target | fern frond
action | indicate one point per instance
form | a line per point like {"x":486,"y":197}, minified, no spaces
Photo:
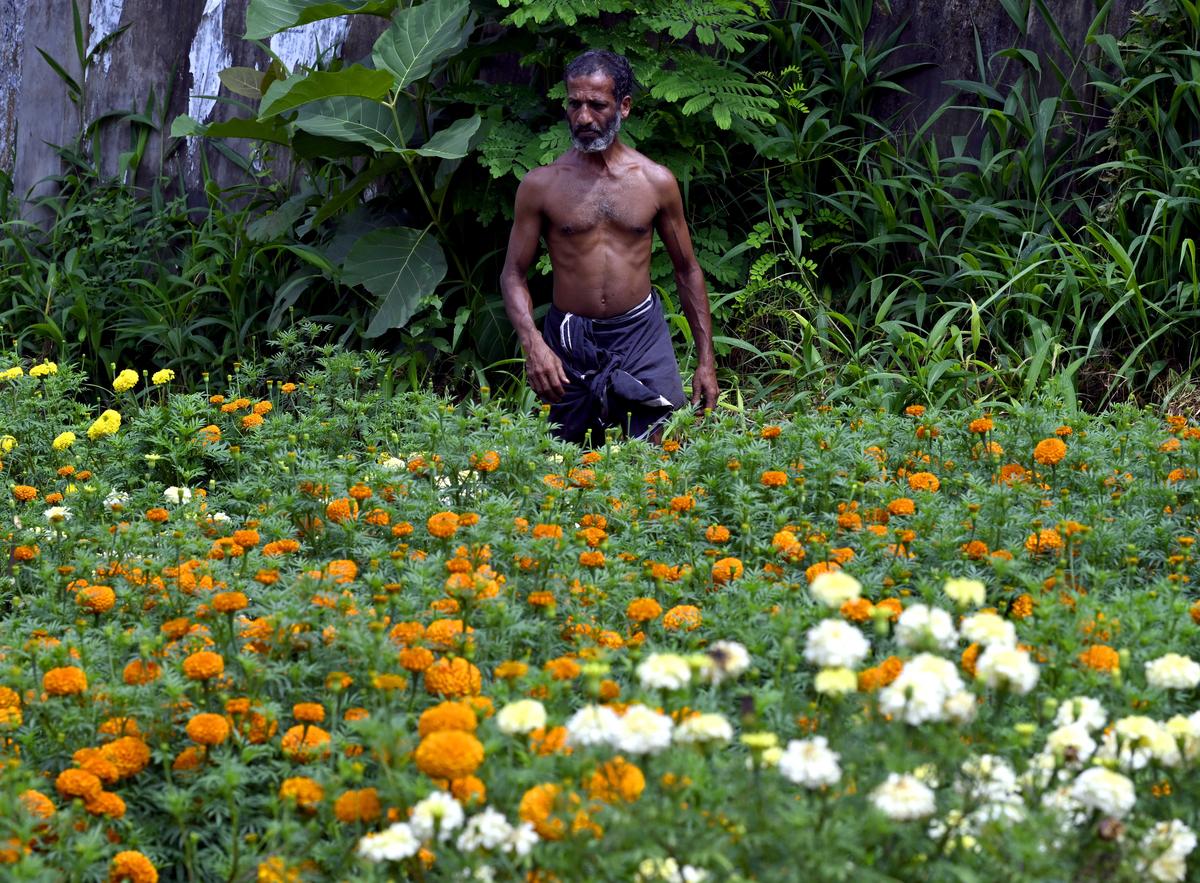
{"x":712,"y":20}
{"x":566,"y":11}
{"x":705,"y":84}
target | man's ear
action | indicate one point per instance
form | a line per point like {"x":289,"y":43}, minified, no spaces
{"x":626,"y":104}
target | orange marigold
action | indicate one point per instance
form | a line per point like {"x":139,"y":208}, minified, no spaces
{"x":415,"y":659}
{"x":1046,"y":540}
{"x":341,"y":509}
{"x":24,"y":492}
{"x":537,"y":807}
{"x":447,"y":715}
{"x":309,"y":712}
{"x":773,"y":478}
{"x":616,"y":781}
{"x":449,"y":754}
{"x":64,"y":681}
{"x":304,"y":742}
{"x":304,"y":791}
{"x":511,"y":669}
{"x":203,"y":665}
{"x":452,"y":677}
{"x":37,"y":804}
{"x":563,"y":668}
{"x":78,"y":783}
{"x":442,"y":525}
{"x":358,"y":806}
{"x":96,"y":599}
{"x":230,"y":602}
{"x":133,"y":867}
{"x":1101,"y":657}
{"x":1050,"y":451}
{"x":683,"y":616}
{"x":924,"y":481}
{"x":901,"y":506}
{"x":208,"y":729}
{"x":643,"y":610}
{"x":727,"y":570}
{"x":716,"y":533}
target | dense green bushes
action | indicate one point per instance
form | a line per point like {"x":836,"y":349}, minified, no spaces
{"x":841,"y":251}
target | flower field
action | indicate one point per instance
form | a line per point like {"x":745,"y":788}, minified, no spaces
{"x":293,"y":629}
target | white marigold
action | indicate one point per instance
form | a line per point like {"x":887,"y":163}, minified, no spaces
{"x":1102,"y":789}
{"x":921,"y":626}
{"x":1009,"y":668}
{"x":904,"y":798}
{"x":834,"y":588}
{"x":834,"y":643}
{"x":989,"y":630}
{"x":1173,"y":672}
{"x":521,"y":717}
{"x":392,"y":844}
{"x":664,"y":671}
{"x":810,"y":763}
{"x":642,"y":730}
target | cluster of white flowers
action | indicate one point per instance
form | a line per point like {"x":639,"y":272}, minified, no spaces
{"x":521,"y":717}
{"x":1008,"y":668}
{"x":989,"y":630}
{"x":703,"y":728}
{"x":922,"y":627}
{"x":1166,"y":847}
{"x":664,"y":671}
{"x":177,"y":496}
{"x":928,"y":689}
{"x":903,"y":797}
{"x":57,"y":514}
{"x":437,"y":817}
{"x":640,"y":730}
{"x":1083,"y":710}
{"x":1134,"y":741}
{"x":669,"y":871}
{"x":1173,"y":672}
{"x":833,"y":643}
{"x":1103,"y":789}
{"x":834,"y":588}
{"x":810,"y":763}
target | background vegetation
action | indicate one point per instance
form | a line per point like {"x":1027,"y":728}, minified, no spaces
{"x":1050,"y":246}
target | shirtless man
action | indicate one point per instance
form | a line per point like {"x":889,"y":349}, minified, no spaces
{"x":604,"y":357}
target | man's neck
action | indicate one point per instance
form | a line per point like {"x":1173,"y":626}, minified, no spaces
{"x":603,"y":160}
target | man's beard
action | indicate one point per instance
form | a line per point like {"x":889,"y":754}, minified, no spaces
{"x":602,"y":141}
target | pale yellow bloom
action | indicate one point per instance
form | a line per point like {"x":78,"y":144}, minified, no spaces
{"x":7,"y":443}
{"x":164,"y":375}
{"x":63,"y":440}
{"x":12,"y":373}
{"x":126,"y":380}
{"x":106,"y":424}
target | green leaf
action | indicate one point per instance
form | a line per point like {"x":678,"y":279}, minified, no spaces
{"x":239,"y":127}
{"x":267,"y":17}
{"x":244,"y":81}
{"x":277,"y":223}
{"x":357,"y":119}
{"x":453,"y":142}
{"x":420,"y":36}
{"x":299,"y":89}
{"x":400,"y":266}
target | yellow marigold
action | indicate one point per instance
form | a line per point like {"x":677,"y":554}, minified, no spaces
{"x":203,"y":665}
{"x":616,"y":781}
{"x":305,"y":742}
{"x":449,"y":754}
{"x":727,"y":570}
{"x":133,"y":867}
{"x":161,"y":376}
{"x":442,"y":525}
{"x":643,"y":610}
{"x":96,"y":599}
{"x":64,"y":681}
{"x":1101,"y":657}
{"x":682,"y":616}
{"x":358,"y":806}
{"x":306,"y":793}
{"x":452,"y":677}
{"x":106,"y":424}
{"x":538,"y":806}
{"x":309,"y":712}
{"x":63,"y":440}
{"x":43,"y":369}
{"x":773,"y":478}
{"x":208,"y":729}
{"x":1050,"y":451}
{"x":78,"y":783}
{"x":126,"y":380}
{"x":37,"y":804}
{"x":447,"y":715}
{"x":924,"y":481}
{"x":1046,"y":540}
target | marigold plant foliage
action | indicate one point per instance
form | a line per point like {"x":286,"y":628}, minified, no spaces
{"x":405,"y":638}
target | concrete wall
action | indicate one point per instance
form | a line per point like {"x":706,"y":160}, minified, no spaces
{"x":175,"y":48}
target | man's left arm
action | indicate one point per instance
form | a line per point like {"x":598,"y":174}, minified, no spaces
{"x":689,"y":281}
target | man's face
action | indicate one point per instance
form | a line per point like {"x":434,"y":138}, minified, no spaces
{"x":592,"y":113}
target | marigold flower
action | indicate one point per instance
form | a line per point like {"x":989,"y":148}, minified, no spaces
{"x":126,"y":380}
{"x":37,"y":804}
{"x":512,"y":669}
{"x":358,"y":806}
{"x":208,"y":729}
{"x":924,"y":481}
{"x":128,"y":754}
{"x":43,"y":369}
{"x":716,"y":533}
{"x":1046,"y":540}
{"x":106,"y":804}
{"x":133,"y":867}
{"x":683,"y":616}
{"x":415,"y":659}
{"x":161,"y":376}
{"x":449,"y":754}
{"x":309,"y":712}
{"x":452,"y":677}
{"x":563,"y":668}
{"x":62,"y":441}
{"x":78,"y":783}
{"x":537,"y":807}
{"x":341,"y":509}
{"x":157,"y":514}
{"x":447,"y":715}
{"x":770,"y":431}
{"x":230,"y":602}
{"x":1101,"y":657}
{"x":901,"y":506}
{"x":306,"y":793}
{"x":726,"y":570}
{"x":304,"y":742}
{"x":1049,"y":451}
{"x":64,"y":681}
{"x":773,"y":478}
{"x":1021,"y":607}
{"x":23,"y":493}
{"x":203,"y":665}
{"x":980,"y":425}
{"x":616,"y":781}
{"x":643,"y":610}
{"x":591,"y":558}
{"x":857,"y":609}
{"x":488,"y":461}
{"x":442,"y":525}
{"x":683,"y":503}
{"x":976,"y":550}
{"x":915,"y":410}
{"x":106,"y":424}
{"x":96,"y":599}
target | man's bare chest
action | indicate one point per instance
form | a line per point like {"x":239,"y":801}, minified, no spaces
{"x":575,"y":208}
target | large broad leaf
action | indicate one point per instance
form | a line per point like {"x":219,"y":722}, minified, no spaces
{"x":267,"y":17}
{"x":277,"y":223}
{"x":299,"y":89}
{"x":420,"y":36}
{"x":358,"y":119}
{"x":453,"y":142}
{"x":244,"y":81}
{"x":400,"y":266}
{"x":185,"y":126}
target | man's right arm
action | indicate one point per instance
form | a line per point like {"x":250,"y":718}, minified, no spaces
{"x":542,"y":366}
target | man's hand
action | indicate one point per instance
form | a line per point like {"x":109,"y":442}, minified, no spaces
{"x":704,"y":387}
{"x":546,"y":374}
